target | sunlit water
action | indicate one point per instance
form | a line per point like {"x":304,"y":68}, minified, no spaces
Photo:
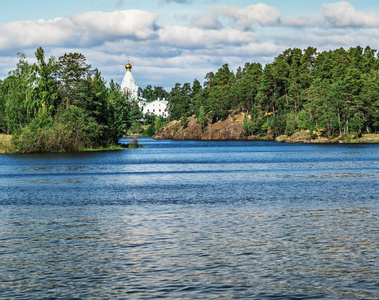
{"x":192,"y":220}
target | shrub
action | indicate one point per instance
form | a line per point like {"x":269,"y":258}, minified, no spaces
{"x":71,"y":130}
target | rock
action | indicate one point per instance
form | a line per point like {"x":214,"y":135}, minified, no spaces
{"x":253,"y":137}
{"x":231,"y":129}
{"x":301,"y":136}
{"x":282,"y":138}
{"x":228,"y":129}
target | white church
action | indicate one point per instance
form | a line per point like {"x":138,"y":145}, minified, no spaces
{"x":129,"y":86}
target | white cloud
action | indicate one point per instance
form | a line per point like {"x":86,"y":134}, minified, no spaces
{"x":207,"y":21}
{"x":260,"y":13}
{"x":343,"y":14}
{"x":296,"y":22}
{"x":7,"y":64}
{"x":83,"y":30}
{"x":186,"y":37}
{"x":163,"y":54}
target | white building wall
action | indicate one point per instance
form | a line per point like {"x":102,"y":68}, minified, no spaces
{"x":129,"y":85}
{"x":157,"y":108}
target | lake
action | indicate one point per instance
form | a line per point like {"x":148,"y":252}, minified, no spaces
{"x":192,"y":220}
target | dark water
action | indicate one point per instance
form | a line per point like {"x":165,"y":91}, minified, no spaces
{"x":192,"y":220}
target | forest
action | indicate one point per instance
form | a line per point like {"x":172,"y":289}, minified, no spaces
{"x":335,"y":91}
{"x":62,"y":105}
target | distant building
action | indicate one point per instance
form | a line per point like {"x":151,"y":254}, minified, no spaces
{"x":157,"y":108}
{"x":129,"y":86}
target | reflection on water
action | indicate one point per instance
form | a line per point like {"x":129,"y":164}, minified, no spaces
{"x":191,"y":220}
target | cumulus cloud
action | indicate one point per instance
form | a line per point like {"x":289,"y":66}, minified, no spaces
{"x":83,"y":30}
{"x":297,"y":22}
{"x":187,"y":37}
{"x":343,"y":14}
{"x":260,"y":13}
{"x":163,"y":54}
{"x":207,"y":21}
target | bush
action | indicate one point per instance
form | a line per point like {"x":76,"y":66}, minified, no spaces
{"x":133,"y":144}
{"x":71,"y":130}
{"x":150,"y":131}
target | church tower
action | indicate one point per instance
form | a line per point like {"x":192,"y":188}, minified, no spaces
{"x":128,"y":84}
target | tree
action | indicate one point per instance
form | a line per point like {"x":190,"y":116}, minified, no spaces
{"x":202,"y":118}
{"x":3,"y":119}
{"x":45,"y":92}
{"x":73,"y":73}
{"x":119,"y":111}
{"x":219,"y":88}
{"x":17,"y":91}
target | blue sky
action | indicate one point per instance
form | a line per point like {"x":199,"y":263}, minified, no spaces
{"x":171,"y":41}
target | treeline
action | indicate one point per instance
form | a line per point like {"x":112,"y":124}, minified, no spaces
{"x":62,"y":104}
{"x":153,"y":93}
{"x":335,"y":91}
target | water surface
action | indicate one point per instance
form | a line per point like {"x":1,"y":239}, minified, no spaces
{"x":191,"y":220}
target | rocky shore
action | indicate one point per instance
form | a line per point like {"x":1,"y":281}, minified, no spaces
{"x":228,"y":129}
{"x":231,"y":129}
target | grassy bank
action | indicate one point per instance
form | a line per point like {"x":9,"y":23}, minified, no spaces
{"x":6,"y":143}
{"x":109,"y":148}
{"x":364,"y":139}
{"x":6,"y":146}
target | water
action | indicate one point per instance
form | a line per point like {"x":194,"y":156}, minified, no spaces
{"x":191,"y":220}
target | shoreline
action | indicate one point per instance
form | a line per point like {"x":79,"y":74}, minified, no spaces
{"x":231,"y":129}
{"x":311,"y":141}
{"x":6,"y":147}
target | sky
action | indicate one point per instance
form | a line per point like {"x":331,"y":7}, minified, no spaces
{"x":176,"y":41}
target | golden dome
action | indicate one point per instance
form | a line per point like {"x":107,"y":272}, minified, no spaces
{"x":128,"y":66}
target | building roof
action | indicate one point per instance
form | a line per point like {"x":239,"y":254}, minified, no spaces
{"x":128,"y":84}
{"x":158,"y":101}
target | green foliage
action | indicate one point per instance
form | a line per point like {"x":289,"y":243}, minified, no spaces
{"x":3,"y":118}
{"x":151,"y":94}
{"x":335,"y":91}
{"x":73,"y":72}
{"x":291,"y":123}
{"x":184,"y":121}
{"x":77,"y":110}
{"x":159,"y":123}
{"x":70,"y":130}
{"x":156,"y":124}
{"x":247,"y":125}
{"x":133,"y":144}
{"x":150,"y":130}
{"x":135,"y":129}
{"x":202,"y":118}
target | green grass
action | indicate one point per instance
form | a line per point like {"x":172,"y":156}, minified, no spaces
{"x":6,"y":145}
{"x":108,"y":148}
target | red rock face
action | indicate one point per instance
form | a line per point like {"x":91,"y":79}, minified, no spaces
{"x":228,"y":129}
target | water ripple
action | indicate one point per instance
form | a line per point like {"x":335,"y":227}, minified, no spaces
{"x":192,"y":220}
